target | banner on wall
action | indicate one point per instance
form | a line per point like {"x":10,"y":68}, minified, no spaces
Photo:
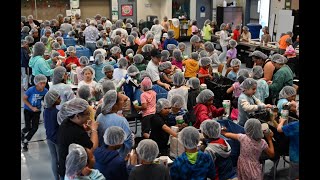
{"x":72,"y":12}
{"x":115,"y":15}
{"x":126,"y":10}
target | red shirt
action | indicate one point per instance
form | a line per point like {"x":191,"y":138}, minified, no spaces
{"x":204,"y":72}
{"x":74,"y":60}
{"x":236,"y":34}
{"x":61,"y":52}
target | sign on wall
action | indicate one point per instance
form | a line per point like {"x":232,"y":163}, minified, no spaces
{"x":126,"y":10}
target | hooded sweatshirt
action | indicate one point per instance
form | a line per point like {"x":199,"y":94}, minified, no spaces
{"x":203,"y":112}
{"x":110,"y":164}
{"x":40,"y":66}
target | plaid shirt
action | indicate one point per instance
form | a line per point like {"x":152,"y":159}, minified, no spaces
{"x":202,"y":169}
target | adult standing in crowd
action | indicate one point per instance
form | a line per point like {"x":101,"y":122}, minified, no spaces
{"x":260,"y":59}
{"x":91,"y":34}
{"x":282,"y":42}
{"x":165,"y":24}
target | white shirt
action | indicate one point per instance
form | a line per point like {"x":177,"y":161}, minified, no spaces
{"x":157,"y":29}
{"x":183,"y":91}
{"x":107,"y":24}
{"x":66,"y":27}
{"x":62,"y":89}
{"x":224,"y":40}
{"x":92,"y":84}
{"x":153,"y":71}
{"x":123,"y":33}
{"x":119,"y":73}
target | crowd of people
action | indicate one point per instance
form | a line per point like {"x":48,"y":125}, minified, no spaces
{"x":150,"y":74}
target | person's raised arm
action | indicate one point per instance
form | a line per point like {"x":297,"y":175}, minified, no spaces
{"x":270,"y":149}
{"x":169,"y":130}
{"x":94,"y":134}
{"x":279,"y":127}
{"x":230,"y":135}
{"x":230,"y":90}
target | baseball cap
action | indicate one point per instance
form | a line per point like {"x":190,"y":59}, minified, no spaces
{"x":155,"y":53}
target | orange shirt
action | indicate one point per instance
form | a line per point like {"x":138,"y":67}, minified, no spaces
{"x":282,"y":42}
{"x":203,"y":72}
{"x":191,"y":68}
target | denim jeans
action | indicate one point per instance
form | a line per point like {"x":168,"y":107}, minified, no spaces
{"x":223,"y":55}
{"x":53,"y":148}
{"x":92,"y":47}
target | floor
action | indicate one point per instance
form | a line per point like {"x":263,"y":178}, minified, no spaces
{"x":35,"y":164}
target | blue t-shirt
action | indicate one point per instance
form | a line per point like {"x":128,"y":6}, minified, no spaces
{"x":50,"y":123}
{"x":281,"y":102}
{"x":35,"y":97}
{"x":232,"y":75}
{"x":292,"y":131}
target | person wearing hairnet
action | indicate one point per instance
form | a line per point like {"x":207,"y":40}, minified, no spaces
{"x":108,"y":72}
{"x":72,"y":60}
{"x":171,"y":48}
{"x":105,"y":38}
{"x":216,"y":65}
{"x":105,"y":87}
{"x":83,"y":61}
{"x":203,"y":73}
{"x":179,"y":88}
{"x":288,"y":96}
{"x":205,"y":108}
{"x":247,"y":102}
{"x":246,"y":35}
{"x":165,"y":55}
{"x":218,"y":148}
{"x":108,"y":160}
{"x":88,"y":73}
{"x":91,"y":34}
{"x":56,"y":46}
{"x":224,"y":41}
{"x":32,"y":108}
{"x":262,"y":86}
{"x":84,"y":93}
{"x":99,"y":45}
{"x":232,"y":52}
{"x":24,"y":63}
{"x":165,"y":69}
{"x":191,"y":66}
{"x":170,"y":39}
{"x":196,"y":44}
{"x":148,"y":40}
{"x":113,"y":102}
{"x":235,"y":88}
{"x":290,"y":54}
{"x":193,"y":92}
{"x":144,"y":32}
{"x":193,"y":163}
{"x":98,"y":64}
{"x":78,"y":164}
{"x":138,"y":61}
{"x":119,"y":28}
{"x":282,"y":41}
{"x":177,"y":109}
{"x":252,"y":145}
{"x":235,"y":65}
{"x":24,"y":32}
{"x":260,"y":59}
{"x":159,"y":130}
{"x":120,"y":72}
{"x":130,"y":44}
{"x":236,"y":33}
{"x":132,"y":82}
{"x":34,"y":34}
{"x":74,"y":129}
{"x":182,"y":47}
{"x":115,"y":54}
{"x":177,"y":58}
{"x":146,"y":152}
{"x":283,"y":76}
{"x":157,"y":30}
{"x":129,"y":56}
{"x":51,"y":100}
{"x":207,"y":30}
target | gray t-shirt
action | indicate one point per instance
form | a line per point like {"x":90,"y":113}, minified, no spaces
{"x":149,"y":172}
{"x":153,"y":71}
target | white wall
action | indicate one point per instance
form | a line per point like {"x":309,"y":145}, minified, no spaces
{"x":166,"y":8}
{"x":158,"y":8}
{"x":275,"y":6}
{"x":193,"y":14}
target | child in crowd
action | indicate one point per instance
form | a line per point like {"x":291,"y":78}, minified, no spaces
{"x":193,"y":163}
{"x":177,"y":109}
{"x":204,"y":69}
{"x":182,"y":46}
{"x":177,"y":58}
{"x":83,"y":61}
{"x":72,"y":59}
{"x":129,"y":56}
{"x":165,"y":55}
{"x":252,"y":145}
{"x":108,"y":72}
{"x":120,"y":72}
{"x":213,"y":55}
{"x":179,"y":88}
{"x":98,"y":65}
{"x":171,"y":48}
{"x":262,"y":86}
{"x":247,"y":102}
{"x":191,"y":66}
{"x":32,"y":108}
{"x":138,"y":62}
{"x":288,"y":95}
{"x":84,"y":93}
{"x":193,"y":92}
{"x":56,"y":46}
{"x":235,"y":65}
{"x":165,"y":70}
{"x":88,"y":74}
{"x":62,"y":45}
{"x":148,"y":105}
{"x":205,"y":109}
{"x":232,"y":52}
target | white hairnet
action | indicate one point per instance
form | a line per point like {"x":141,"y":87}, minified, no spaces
{"x":156,"y":21}
{"x":253,"y":129}
{"x":194,"y":83}
{"x":90,"y":69}
{"x":29,"y":39}
{"x":72,"y":107}
{"x":117,"y":39}
{"x":84,"y":92}
{"x":131,"y":39}
{"x":248,"y":84}
{"x":150,"y":35}
{"x":289,"y":40}
{"x":189,"y":137}
{"x":107,"y":68}
{"x":123,"y":63}
{"x":23,"y":42}
{"x":99,"y":44}
{"x":195,"y":56}
{"x":165,"y":54}
{"x":147,"y":48}
{"x":245,"y":28}
{"x":54,"y":54}
{"x":109,"y":100}
{"x":129,"y":20}
{"x":147,"y":150}
{"x":204,"y":96}
{"x":233,"y":43}
{"x":182,"y":45}
{"x":76,"y":160}
{"x":132,"y":70}
{"x":280,"y":59}
{"x":235,"y":62}
{"x":203,"y":53}
{"x":83,"y":60}
{"x":39,"y":78}
{"x":204,"y":61}
{"x":144,"y":74}
{"x":25,"y":29}
{"x":161,"y":104}
{"x":98,"y":59}
{"x":71,"y":49}
{"x":211,"y":128}
{"x":222,"y":26}
{"x":195,"y":39}
{"x":44,"y":39}
{"x":50,"y":98}
{"x":134,"y":34}
{"x":115,"y":49}
{"x":170,"y":33}
{"x":48,"y":30}
{"x":58,"y":74}
{"x":146,"y":84}
{"x":58,"y":34}
{"x":138,"y":58}
{"x":177,"y":54}
{"x":95,"y":53}
{"x":165,"y":65}
{"x":206,"y":22}
{"x":108,"y":85}
{"x":56,"y":45}
{"x":177,"y":101}
{"x":209,"y":46}
{"x":259,"y":54}
{"x":287,"y":91}
{"x":257,"y":72}
{"x":144,"y":30}
{"x":38,"y":49}
{"x":178,"y":79}
{"x":171,"y":47}
{"x":242,"y":75}
{"x":114,"y":135}
{"x":129,"y":51}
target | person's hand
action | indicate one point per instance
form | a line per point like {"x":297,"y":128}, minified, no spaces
{"x":58,"y":63}
{"x":269,"y":136}
{"x":86,"y":171}
{"x":137,"y":108}
{"x":93,"y":125}
{"x":282,"y":120}
{"x":34,"y":109}
{"x":86,"y":127}
{"x":268,"y":106}
{"x":269,"y":82}
{"x":167,"y":86}
{"x":223,"y":130}
{"x":211,"y":77}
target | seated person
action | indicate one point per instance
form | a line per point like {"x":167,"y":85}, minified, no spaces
{"x":177,"y":109}
{"x":138,"y":61}
{"x":72,"y":59}
{"x":203,"y":73}
{"x":193,"y":92}
{"x":288,"y":95}
{"x":165,"y":69}
{"x":179,"y":88}
{"x":235,"y":65}
{"x":84,"y":61}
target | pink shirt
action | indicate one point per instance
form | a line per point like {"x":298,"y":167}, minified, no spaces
{"x":232,"y":53}
{"x":177,"y":63}
{"x":149,"y":97}
{"x":236,"y":89}
{"x":194,"y":29}
{"x":290,"y":52}
{"x":79,"y":75}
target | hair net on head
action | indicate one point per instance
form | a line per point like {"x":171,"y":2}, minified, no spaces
{"x":182,"y":45}
{"x":253,"y":129}
{"x":99,"y":44}
{"x":248,"y":83}
{"x":235,"y":62}
{"x":44,"y":39}
{"x":203,"y":53}
{"x":144,"y":74}
{"x":165,"y":54}
{"x":238,"y":27}
{"x":129,"y":20}
{"x":211,"y":128}
{"x":109,"y":100}
{"x":84,"y":92}
{"x":147,"y":150}
{"x":170,"y":33}
{"x":178,"y":79}
{"x":242,"y":75}
{"x":287,"y":91}
{"x":50,"y":98}
{"x":71,"y":49}
{"x":25,"y":29}
{"x":150,"y":35}
{"x":206,"y":22}
{"x":204,"y":61}
{"x":146,"y":84}
{"x":165,"y":65}
{"x":90,"y":69}
{"x":245,"y":28}
{"x":23,"y":42}
{"x":138,"y":58}
{"x":195,"y":39}
{"x":189,"y":137}
{"x":107,"y":68}
{"x":259,"y":54}
{"x":289,"y":40}
{"x":108,"y":85}
{"x":131,"y":39}
{"x":132,"y":70}
{"x":117,"y":39}
{"x":76,"y":160}
{"x":135,"y":29}
{"x":38,"y":49}
{"x":280,"y":59}
{"x":58,"y":74}
{"x":118,"y":23}
{"x":72,"y":107}
{"x":177,"y":101}
{"x":195,"y":56}
{"x":23,"y":18}
{"x":222,"y":26}
{"x":147,"y":48}
{"x":48,"y":31}
{"x":113,"y":27}
{"x":161,"y":104}
{"x":83,"y":60}
{"x":209,"y":46}
{"x":30,"y":17}
{"x":129,"y":51}
{"x":257,"y":72}
{"x":123,"y":63}
{"x":134,"y":34}
{"x":95,"y":53}
{"x":233,"y":43}
{"x":144,"y":30}
{"x":156,"y":21}
{"x":114,"y":135}
{"x":54,"y":54}
{"x":204,"y":96}
{"x":115,"y":50}
{"x":99,"y":26}
{"x":194,"y":83}
{"x":99,"y":59}
{"x":56,"y":45}
{"x":29,"y":39}
{"x":177,"y":54}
